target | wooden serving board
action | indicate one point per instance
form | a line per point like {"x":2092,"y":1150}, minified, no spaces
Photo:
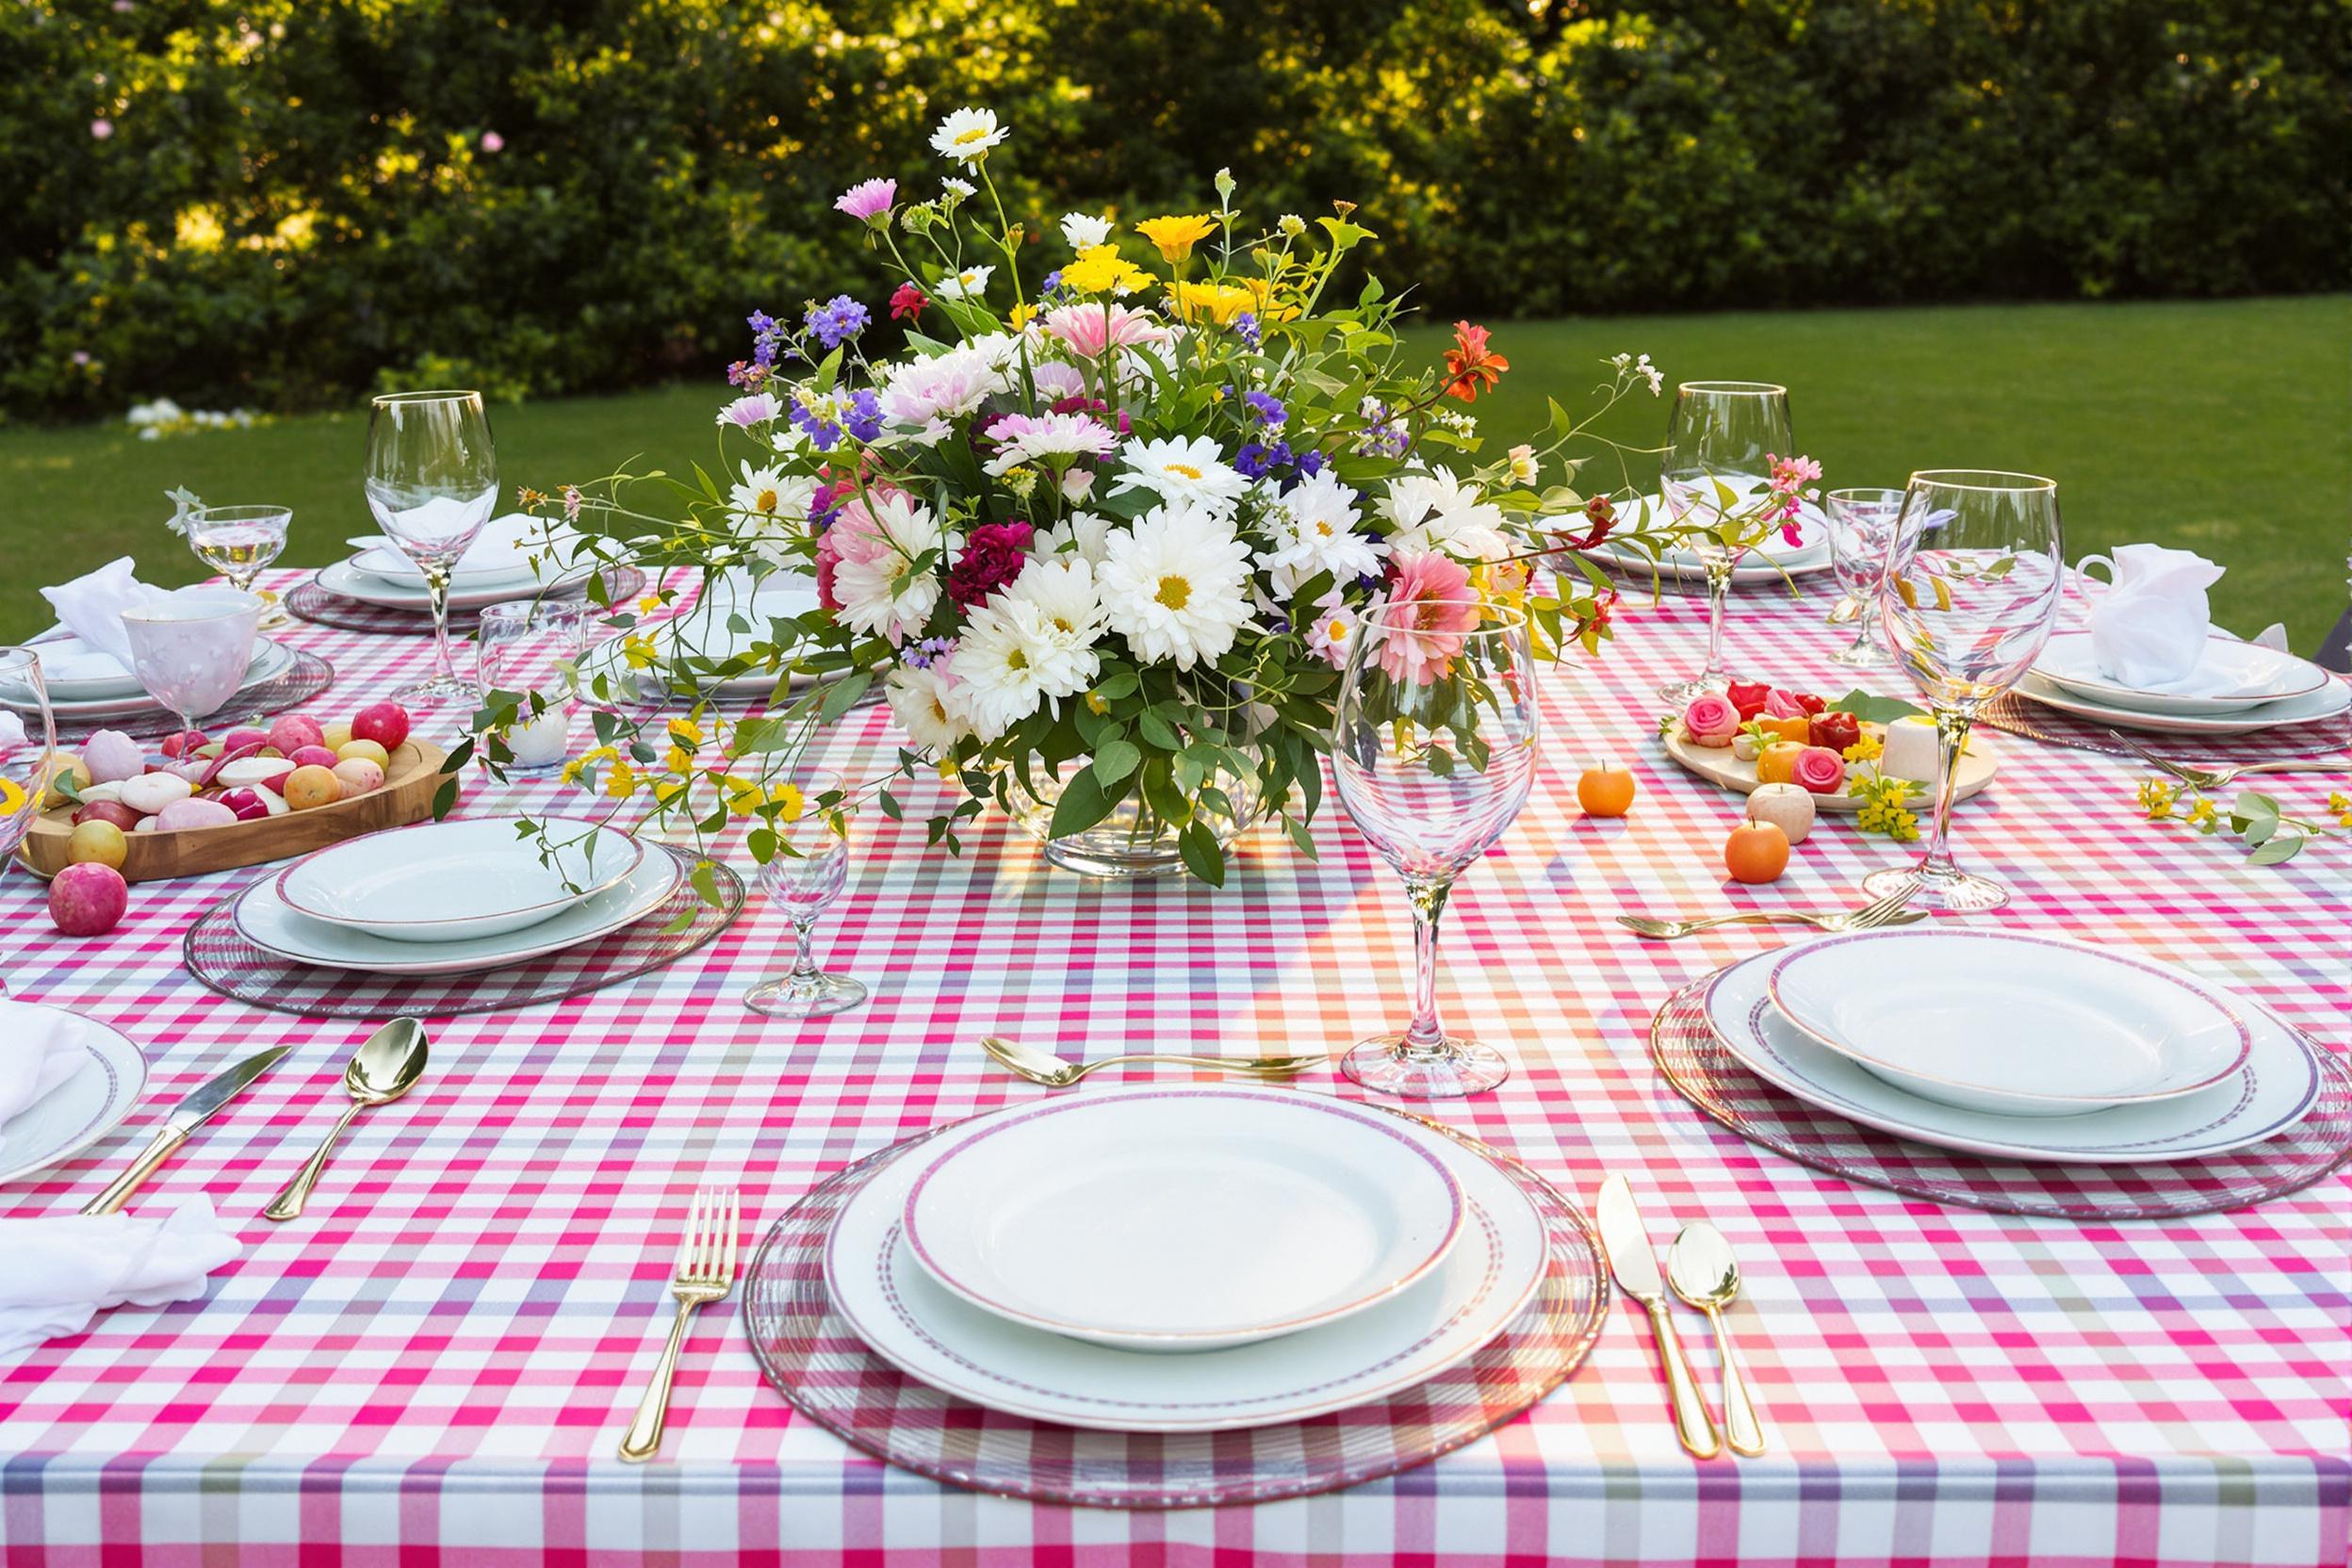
{"x":1717,"y":766}
{"x":405,"y":796}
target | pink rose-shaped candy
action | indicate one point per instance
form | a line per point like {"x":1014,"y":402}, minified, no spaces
{"x":1780,"y":704}
{"x":1820,"y":770}
{"x":1710,"y":721}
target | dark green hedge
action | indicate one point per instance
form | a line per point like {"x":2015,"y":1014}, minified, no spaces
{"x":296,"y":198}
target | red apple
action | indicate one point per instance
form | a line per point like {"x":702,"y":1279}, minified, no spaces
{"x":384,"y":723}
{"x":88,"y":899}
{"x":106,"y":811}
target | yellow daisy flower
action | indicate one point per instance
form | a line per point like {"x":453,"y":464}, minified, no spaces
{"x":1176,"y":236}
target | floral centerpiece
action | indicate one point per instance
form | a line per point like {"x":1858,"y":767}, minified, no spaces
{"x":1101,"y":530}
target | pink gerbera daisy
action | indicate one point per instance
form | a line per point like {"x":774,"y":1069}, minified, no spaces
{"x":1429,"y":607}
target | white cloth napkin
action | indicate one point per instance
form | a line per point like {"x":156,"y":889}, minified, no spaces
{"x":504,"y":546}
{"x":90,"y":607}
{"x":2149,"y":630}
{"x":60,"y":1270}
{"x":37,"y":1055}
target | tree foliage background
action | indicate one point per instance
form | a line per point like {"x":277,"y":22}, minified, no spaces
{"x":282,"y":202}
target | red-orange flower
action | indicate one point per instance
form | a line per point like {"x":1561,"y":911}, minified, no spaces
{"x":1470,"y":365}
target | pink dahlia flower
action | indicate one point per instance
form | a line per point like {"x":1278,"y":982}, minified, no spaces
{"x":1429,"y":607}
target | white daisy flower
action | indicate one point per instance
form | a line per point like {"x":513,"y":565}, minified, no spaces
{"x":921,"y":700}
{"x":1081,"y":230}
{"x":1051,"y":438}
{"x":1003,"y":663}
{"x":958,"y":190}
{"x":1314,"y":529}
{"x":966,"y":135}
{"x":880,"y":590}
{"x":1176,"y":586}
{"x":1184,"y":471}
{"x":1087,"y":535}
{"x":1434,"y":510}
{"x":1062,"y":588}
{"x":774,"y":510}
{"x":970,"y":284}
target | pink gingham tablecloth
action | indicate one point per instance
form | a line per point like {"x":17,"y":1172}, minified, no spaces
{"x":435,"y":1365}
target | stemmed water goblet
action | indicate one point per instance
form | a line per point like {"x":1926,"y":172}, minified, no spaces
{"x":1861,"y":535}
{"x":803,"y":878}
{"x":191,"y":649}
{"x":432,"y":481}
{"x":1971,"y":591}
{"x":1720,"y":437}
{"x":237,"y":541}
{"x":28,"y":750}
{"x":1434,"y":753}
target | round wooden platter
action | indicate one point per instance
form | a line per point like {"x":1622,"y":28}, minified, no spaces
{"x":406,"y":796}
{"x":1718,"y":765}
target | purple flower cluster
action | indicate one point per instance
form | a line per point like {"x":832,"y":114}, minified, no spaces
{"x":925,"y":653}
{"x":1246,"y":328}
{"x":1267,"y":406}
{"x":767,"y":337}
{"x":837,"y":320}
{"x":863,"y":421}
{"x":1275,"y":459}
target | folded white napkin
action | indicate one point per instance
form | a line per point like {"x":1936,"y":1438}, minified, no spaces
{"x":62,"y":1268}
{"x":2149,"y":630}
{"x":90,"y":607}
{"x":36,"y":1054}
{"x":504,"y":546}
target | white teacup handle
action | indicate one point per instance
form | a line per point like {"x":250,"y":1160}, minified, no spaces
{"x":2085,"y":581}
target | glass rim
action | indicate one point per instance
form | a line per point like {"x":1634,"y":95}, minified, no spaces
{"x":14,"y":654}
{"x":1734,"y":388}
{"x":244,"y":511}
{"x":147,"y":612}
{"x":438,"y":394}
{"x":1505,"y":617}
{"x":1974,"y":479}
{"x":1876,"y":492}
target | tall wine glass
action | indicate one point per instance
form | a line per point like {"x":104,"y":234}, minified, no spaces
{"x":1720,"y":435}
{"x":1972,"y":591}
{"x":1433,"y":752}
{"x":1861,"y":536}
{"x":28,"y":750}
{"x":433,"y":480}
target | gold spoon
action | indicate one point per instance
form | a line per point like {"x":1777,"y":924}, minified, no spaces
{"x":1703,"y":1271}
{"x":385,"y":1067}
{"x":1055,"y":1072}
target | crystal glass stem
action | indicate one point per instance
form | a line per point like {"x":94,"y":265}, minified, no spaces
{"x":1424,"y":1039}
{"x":1951,"y":740}
{"x":437,"y":590}
{"x":1715,"y":678}
{"x":804,"y":950}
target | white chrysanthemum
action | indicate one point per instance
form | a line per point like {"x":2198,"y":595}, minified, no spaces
{"x":1434,"y":510}
{"x":1062,"y":588}
{"x":942,"y":387}
{"x":970,"y":284}
{"x":1314,"y":529}
{"x":774,"y":510}
{"x":880,"y":590}
{"x":1051,"y":438}
{"x":1082,"y":230}
{"x":1087,"y":534}
{"x":919,"y":698}
{"x":1184,"y":471}
{"x":1176,"y":586}
{"x":1005,"y":661}
{"x":966,"y":135}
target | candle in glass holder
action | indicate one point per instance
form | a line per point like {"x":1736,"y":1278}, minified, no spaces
{"x":542,"y":740}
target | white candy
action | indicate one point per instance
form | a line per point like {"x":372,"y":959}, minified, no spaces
{"x":1910,"y":749}
{"x":1787,"y":806}
{"x":108,"y":791}
{"x":111,"y":756}
{"x":253,"y":771}
{"x":144,"y":824}
{"x":274,"y":801}
{"x":194,"y":813}
{"x":150,"y":792}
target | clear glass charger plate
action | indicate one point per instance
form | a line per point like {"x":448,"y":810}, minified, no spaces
{"x":1701,"y":1068}
{"x":809,"y":1353}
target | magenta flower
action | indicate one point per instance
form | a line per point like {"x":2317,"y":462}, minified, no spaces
{"x":493,"y":142}
{"x":869,"y":202}
{"x":1429,"y":607}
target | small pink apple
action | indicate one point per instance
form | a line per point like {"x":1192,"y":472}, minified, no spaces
{"x":384,"y":723}
{"x":311,"y":757}
{"x":292,"y":732}
{"x":88,"y":899}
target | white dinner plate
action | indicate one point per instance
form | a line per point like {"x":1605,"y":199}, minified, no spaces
{"x":270,"y":660}
{"x":2230,"y":678}
{"x":706,"y":629}
{"x":2274,"y":1090}
{"x":2008,"y":1023}
{"x":453,"y":881}
{"x":1765,"y":563}
{"x":75,"y":671}
{"x":2325,"y":704}
{"x":263,"y":919}
{"x":347,"y":580}
{"x":930,"y":1334}
{"x":1182,"y":1218}
{"x":83,"y":1109}
{"x":499,"y":554}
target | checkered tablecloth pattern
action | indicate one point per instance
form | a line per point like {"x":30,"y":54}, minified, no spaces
{"x":435,"y":1365}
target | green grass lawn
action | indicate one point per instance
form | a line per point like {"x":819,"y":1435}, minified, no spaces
{"x":2219,"y":427}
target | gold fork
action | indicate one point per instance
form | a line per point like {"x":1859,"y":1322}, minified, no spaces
{"x":2221,"y":778}
{"x":1878,"y":912}
{"x":1057,"y":1072}
{"x":705,"y":1272}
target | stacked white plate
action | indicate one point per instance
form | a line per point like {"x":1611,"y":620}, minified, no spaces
{"x":87,"y":1104}
{"x":498,"y":567}
{"x":2016,"y":1046}
{"x":2235,"y":688}
{"x":445,"y":897}
{"x":86,"y":684}
{"x":1767,"y":563}
{"x":731,"y":614}
{"x":1184,"y":1258}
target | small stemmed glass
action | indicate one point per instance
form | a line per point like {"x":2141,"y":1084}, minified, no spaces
{"x":28,"y":750}
{"x":432,"y":481}
{"x":1722,"y":436}
{"x":1972,"y":591}
{"x":1861,"y":535}
{"x":803,"y":878}
{"x":1434,"y":753}
{"x":237,"y":541}
{"x":191,"y":649}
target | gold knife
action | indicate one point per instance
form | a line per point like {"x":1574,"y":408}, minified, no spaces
{"x":194,"y":1109}
{"x":1635,"y":1265}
